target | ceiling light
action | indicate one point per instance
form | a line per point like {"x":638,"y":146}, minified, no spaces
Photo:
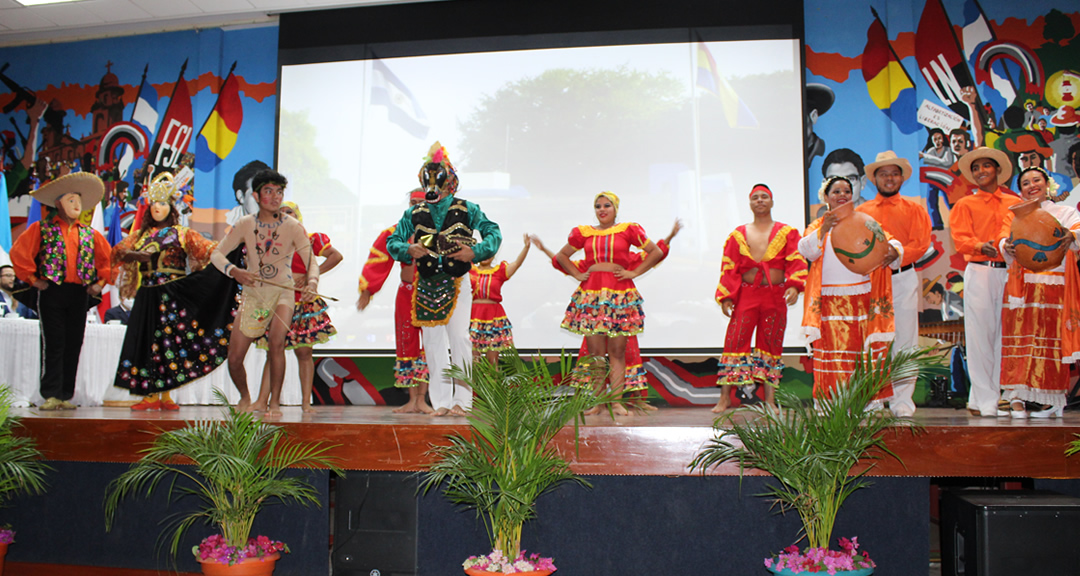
{"x":38,"y":2}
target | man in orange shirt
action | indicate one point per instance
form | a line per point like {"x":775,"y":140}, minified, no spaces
{"x":909,"y":223}
{"x":976,"y":223}
{"x":68,"y":263}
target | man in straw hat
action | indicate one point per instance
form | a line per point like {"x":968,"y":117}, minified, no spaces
{"x":975,"y":222}
{"x":68,"y":263}
{"x":909,"y":223}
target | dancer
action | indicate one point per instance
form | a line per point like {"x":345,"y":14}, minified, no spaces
{"x":310,"y":322}
{"x":266,"y":301}
{"x":490,"y":329}
{"x":975,"y":223}
{"x":762,"y":274}
{"x":67,"y":262}
{"x":636,"y":379}
{"x":844,"y":313}
{"x":178,"y":330}
{"x":410,"y":366}
{"x":909,"y":223}
{"x":1032,"y":367}
{"x":438,"y":235}
{"x":607,"y":308}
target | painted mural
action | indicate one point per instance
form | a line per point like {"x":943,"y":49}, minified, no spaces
{"x":199,"y":104}
{"x":930,"y":79}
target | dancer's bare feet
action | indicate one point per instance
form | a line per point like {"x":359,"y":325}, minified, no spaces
{"x":592,"y":411}
{"x":406,"y":408}
{"x":647,"y":407}
{"x":273,"y":411}
{"x":245,"y":405}
{"x":441,"y":412}
{"x":308,"y":409}
{"x":619,"y":409}
{"x":457,"y":410}
{"x":723,"y":404}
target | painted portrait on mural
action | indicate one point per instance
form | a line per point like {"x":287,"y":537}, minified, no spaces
{"x":939,"y":78}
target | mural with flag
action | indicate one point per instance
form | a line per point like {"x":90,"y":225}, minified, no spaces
{"x":971,"y":73}
{"x":175,"y":131}
{"x":126,"y":107}
{"x":942,"y":64}
{"x":221,"y":130}
{"x":888,"y":83}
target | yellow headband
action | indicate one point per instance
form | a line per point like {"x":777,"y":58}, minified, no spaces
{"x":295,"y":209}
{"x":610,"y":196}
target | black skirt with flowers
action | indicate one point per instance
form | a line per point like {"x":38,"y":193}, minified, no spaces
{"x":178,"y":330}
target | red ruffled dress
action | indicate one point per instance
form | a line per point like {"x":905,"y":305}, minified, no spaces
{"x":489,"y":329}
{"x":603,"y":304}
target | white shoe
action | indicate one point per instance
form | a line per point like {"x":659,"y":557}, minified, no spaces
{"x":1050,"y":412}
{"x":1020,"y":414}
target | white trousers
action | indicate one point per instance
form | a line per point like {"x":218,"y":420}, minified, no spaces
{"x":984,"y":290}
{"x":906,"y":292}
{"x":450,"y":344}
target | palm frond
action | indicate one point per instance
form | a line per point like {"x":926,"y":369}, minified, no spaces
{"x":22,"y":470}
{"x":811,"y":448}
{"x":235,"y":466}
{"x":507,"y":461}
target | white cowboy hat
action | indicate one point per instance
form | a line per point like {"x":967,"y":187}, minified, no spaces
{"x":87,"y":185}
{"x":889,"y":158}
{"x":1002,"y":159}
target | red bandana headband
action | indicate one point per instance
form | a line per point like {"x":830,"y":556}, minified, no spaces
{"x":762,"y":188}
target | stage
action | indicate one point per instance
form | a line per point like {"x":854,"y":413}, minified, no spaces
{"x":948,"y":442}
{"x":638,"y":516}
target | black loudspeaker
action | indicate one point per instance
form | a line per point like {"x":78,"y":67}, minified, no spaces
{"x":375,"y":524}
{"x":1009,"y":533}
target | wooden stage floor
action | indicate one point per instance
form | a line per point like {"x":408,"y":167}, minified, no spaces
{"x":950,"y":443}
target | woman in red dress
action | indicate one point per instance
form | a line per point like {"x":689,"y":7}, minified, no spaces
{"x":607,"y":308}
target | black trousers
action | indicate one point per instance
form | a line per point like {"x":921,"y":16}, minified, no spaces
{"x":62,"y":312}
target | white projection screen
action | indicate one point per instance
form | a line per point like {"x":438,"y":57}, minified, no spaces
{"x":677,"y":130}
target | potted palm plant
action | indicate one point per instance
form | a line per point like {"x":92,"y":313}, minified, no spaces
{"x":506,"y":460}
{"x":235,"y":467}
{"x":21,"y":468}
{"x":810,"y":449}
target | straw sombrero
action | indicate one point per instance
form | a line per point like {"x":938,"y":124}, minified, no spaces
{"x":89,"y":186}
{"x":889,"y":158}
{"x":1002,"y":159}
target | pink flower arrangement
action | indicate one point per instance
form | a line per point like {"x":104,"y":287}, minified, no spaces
{"x":822,"y":559}
{"x":497,"y":562}
{"x":7,"y":535}
{"x":214,"y":549}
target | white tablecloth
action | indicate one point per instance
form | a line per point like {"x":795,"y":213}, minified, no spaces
{"x":20,"y":365}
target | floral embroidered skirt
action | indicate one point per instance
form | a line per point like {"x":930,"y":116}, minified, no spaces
{"x":178,"y":331}
{"x":604,"y":305}
{"x":490,"y":329}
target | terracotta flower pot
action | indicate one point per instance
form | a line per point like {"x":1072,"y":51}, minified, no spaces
{"x":246,"y":567}
{"x":477,"y":572}
{"x":1040,"y":240}
{"x":858,"y":240}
